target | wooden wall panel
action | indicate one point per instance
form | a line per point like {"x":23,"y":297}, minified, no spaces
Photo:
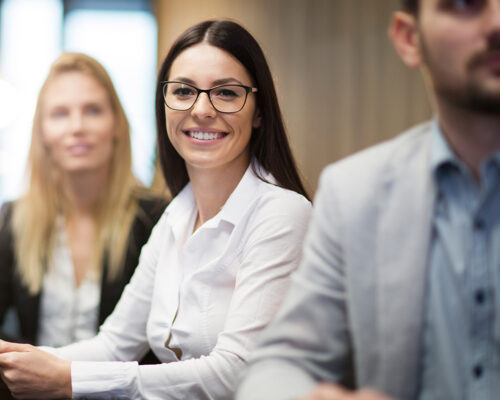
{"x":340,"y":83}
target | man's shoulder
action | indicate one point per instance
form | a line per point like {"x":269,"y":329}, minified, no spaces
{"x":383,"y":158}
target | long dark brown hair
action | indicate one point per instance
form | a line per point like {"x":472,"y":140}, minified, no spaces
{"x":268,"y":143}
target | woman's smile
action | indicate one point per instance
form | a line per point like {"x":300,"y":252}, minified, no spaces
{"x":204,"y":134}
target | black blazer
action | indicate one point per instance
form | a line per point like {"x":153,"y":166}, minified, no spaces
{"x":14,"y":294}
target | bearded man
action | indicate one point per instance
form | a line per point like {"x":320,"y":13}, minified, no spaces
{"x":399,"y":288}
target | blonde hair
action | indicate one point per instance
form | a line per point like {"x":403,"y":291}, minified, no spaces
{"x":35,"y":213}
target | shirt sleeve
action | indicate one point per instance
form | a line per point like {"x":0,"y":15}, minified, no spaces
{"x":270,"y":251}
{"x":308,"y":341}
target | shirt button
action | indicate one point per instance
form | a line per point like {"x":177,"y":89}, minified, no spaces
{"x":478,"y":224}
{"x":480,"y":296}
{"x":477,"y":371}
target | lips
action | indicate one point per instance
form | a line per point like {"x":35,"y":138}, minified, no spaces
{"x":79,"y":149}
{"x":490,"y":59}
{"x":204,"y":135}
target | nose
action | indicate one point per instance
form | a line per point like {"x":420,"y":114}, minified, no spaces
{"x":76,"y":123}
{"x":491,"y":20}
{"x":203,"y":108}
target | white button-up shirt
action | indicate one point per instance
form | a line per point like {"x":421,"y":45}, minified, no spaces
{"x":199,"y":300}
{"x":68,"y":313}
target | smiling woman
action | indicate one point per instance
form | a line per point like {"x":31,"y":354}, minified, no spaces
{"x":218,"y":262}
{"x":206,"y":137}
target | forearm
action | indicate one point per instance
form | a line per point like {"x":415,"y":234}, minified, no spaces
{"x":211,"y":377}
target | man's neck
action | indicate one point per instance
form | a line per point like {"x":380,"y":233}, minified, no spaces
{"x":472,"y":136}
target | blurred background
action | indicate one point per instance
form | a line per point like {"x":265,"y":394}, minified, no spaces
{"x":340,"y":83}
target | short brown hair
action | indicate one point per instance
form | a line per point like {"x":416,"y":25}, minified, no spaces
{"x":411,"y":6}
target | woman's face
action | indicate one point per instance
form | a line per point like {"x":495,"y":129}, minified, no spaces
{"x":204,"y":137}
{"x":78,"y":123}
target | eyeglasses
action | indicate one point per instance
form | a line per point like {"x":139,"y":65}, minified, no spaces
{"x":226,"y":99}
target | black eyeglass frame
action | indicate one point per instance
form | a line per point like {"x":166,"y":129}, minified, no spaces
{"x":248,"y":89}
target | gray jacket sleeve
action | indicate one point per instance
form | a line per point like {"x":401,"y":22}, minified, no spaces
{"x":309,"y":339}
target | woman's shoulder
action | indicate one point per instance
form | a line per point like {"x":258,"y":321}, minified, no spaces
{"x":6,"y":233}
{"x":150,"y":207}
{"x":6,"y":210}
{"x":275,"y":201}
{"x":152,"y":204}
{"x":271,"y":191}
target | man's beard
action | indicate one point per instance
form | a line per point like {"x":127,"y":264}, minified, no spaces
{"x":471,"y":95}
{"x":473,"y":98}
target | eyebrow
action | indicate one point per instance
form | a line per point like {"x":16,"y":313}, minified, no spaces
{"x":217,"y":82}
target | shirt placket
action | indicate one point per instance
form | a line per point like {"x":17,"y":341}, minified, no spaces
{"x":480,"y":299}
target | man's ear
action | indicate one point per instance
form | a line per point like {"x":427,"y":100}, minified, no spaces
{"x":257,"y":119}
{"x":404,"y":34}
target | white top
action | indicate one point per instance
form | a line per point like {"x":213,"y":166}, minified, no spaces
{"x":204,"y":296}
{"x":67,"y":313}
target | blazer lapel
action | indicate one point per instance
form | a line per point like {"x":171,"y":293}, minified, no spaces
{"x":403,"y":237}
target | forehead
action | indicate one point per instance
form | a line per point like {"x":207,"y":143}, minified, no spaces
{"x":72,"y":86}
{"x":206,"y":63}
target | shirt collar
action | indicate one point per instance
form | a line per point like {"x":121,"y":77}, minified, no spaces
{"x":244,"y":193}
{"x":496,"y":158}
{"x":441,"y":152}
{"x":184,"y":204}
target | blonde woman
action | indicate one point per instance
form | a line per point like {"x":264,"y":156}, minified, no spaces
{"x":71,"y":243}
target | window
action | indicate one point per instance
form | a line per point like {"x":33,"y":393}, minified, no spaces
{"x":122,"y":35}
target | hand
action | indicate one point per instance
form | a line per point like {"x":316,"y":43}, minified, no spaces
{"x":329,"y":391}
{"x":31,"y":373}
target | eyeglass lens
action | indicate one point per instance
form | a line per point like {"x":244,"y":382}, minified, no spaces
{"x":226,"y":98}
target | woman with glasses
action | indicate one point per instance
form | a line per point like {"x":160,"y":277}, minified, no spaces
{"x":70,"y":244}
{"x":218,"y":262}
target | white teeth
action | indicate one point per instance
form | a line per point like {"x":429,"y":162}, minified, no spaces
{"x":204,"y":135}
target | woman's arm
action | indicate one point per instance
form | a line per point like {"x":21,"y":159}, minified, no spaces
{"x":270,"y":252}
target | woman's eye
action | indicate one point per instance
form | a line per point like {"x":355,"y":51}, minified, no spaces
{"x":465,"y":5}
{"x":93,"y":110}
{"x":225,"y":93}
{"x":184,"y":92}
{"x":58,"y":113}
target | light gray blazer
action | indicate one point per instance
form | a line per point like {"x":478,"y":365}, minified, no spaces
{"x":356,"y":304}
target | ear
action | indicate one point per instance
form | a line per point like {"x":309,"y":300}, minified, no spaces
{"x":257,"y":119}
{"x":404,"y":34}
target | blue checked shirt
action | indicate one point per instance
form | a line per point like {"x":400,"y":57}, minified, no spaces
{"x":461,"y":338}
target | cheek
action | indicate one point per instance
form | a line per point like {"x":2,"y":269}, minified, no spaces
{"x":447,"y":45}
{"x":109,"y":132}
{"x":51,"y":143}
{"x":51,"y":133}
{"x":172,"y":122}
{"x":243,"y":125}
{"x":107,"y":143}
